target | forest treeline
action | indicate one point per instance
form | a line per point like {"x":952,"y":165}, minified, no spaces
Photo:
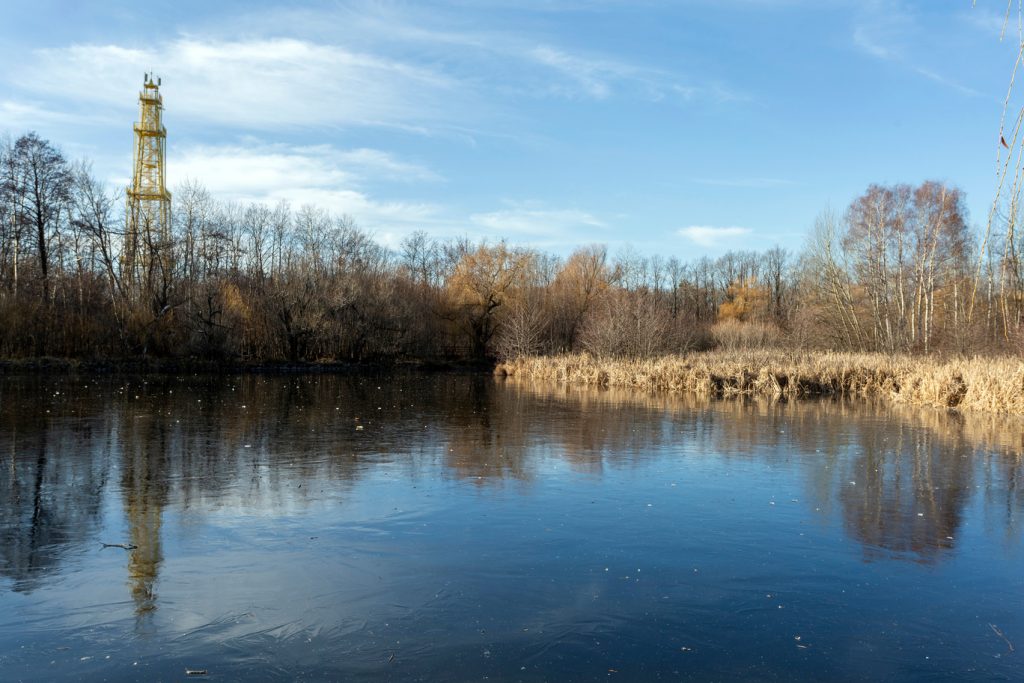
{"x":898,"y":271}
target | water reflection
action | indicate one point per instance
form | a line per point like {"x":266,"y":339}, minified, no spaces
{"x":145,"y":462}
{"x":233,"y":469}
{"x":51,"y":499}
{"x":907,"y":492}
{"x":902,"y":477}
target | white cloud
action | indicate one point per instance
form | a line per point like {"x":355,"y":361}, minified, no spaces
{"x":240,"y":171}
{"x":711,"y":236}
{"x":379,"y":164}
{"x":264,"y":83}
{"x":320,"y":175}
{"x":255,"y":168}
{"x":381,"y":217}
{"x":19,"y":116}
{"x":350,"y":65}
{"x":344,"y":182}
{"x":464,"y":47}
{"x":533,"y":221}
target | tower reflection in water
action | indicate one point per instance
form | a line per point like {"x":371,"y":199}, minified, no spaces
{"x":144,"y":487}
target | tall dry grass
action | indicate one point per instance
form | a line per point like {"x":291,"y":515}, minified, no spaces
{"x":976,"y":384}
{"x":997,"y":434}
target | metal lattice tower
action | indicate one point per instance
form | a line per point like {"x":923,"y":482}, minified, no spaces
{"x":148,"y":233}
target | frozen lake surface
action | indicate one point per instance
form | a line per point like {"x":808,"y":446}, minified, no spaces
{"x":455,"y":528}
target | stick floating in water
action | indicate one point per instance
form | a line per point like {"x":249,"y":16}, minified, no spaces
{"x":999,"y":633}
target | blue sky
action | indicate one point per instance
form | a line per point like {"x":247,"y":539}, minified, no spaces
{"x":682,"y":128}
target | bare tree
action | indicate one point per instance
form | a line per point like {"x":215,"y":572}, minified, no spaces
{"x":41,"y":176}
{"x":582,"y":280}
{"x":93,"y":215}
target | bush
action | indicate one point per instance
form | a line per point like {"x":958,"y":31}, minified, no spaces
{"x":732,"y":335}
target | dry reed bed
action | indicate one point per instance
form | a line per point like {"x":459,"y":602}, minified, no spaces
{"x":983,"y":384}
{"x":998,"y":433}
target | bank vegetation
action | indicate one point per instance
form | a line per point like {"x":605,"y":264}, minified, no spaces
{"x":899,"y":275}
{"x":993,"y":385}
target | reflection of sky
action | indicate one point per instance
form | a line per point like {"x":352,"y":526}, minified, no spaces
{"x":564,"y":532}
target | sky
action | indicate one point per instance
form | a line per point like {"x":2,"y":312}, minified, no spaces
{"x":682,"y":128}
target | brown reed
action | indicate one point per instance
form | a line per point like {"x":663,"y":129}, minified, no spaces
{"x":975,"y":384}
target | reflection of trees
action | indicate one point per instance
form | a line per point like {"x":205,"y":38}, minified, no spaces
{"x":907,"y":491}
{"x":487,"y":437}
{"x":1004,"y":473}
{"x":252,"y":441}
{"x":497,"y":432}
{"x":260,"y":443}
{"x":51,"y":485}
{"x":587,"y":428}
{"x":913,"y":468}
{"x":918,"y":469}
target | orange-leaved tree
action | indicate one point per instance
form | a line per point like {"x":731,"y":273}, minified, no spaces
{"x":484,"y":279}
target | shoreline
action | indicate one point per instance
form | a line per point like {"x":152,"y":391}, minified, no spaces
{"x":979,"y":384}
{"x":193,"y":366}
{"x":993,"y":385}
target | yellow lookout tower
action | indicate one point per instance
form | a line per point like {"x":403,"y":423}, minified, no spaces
{"x":148,"y":232}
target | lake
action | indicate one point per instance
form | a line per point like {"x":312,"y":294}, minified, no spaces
{"x":456,"y":527}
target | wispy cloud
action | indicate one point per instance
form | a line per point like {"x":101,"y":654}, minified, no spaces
{"x":532,"y":220}
{"x":993,"y":23}
{"x":389,"y":220}
{"x":948,"y":82}
{"x":334,"y":179}
{"x":256,"y":167}
{"x":348,"y":64}
{"x":868,"y":41}
{"x":21,"y":115}
{"x":251,"y":171}
{"x":346,"y":182}
{"x":711,"y":236}
{"x":601,"y":77}
{"x":260,"y":83}
{"x":885,"y":32}
{"x":539,"y":68}
{"x":591,"y":77}
{"x":380,"y":165}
